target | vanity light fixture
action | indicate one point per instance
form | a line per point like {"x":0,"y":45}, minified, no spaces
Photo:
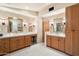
{"x":3,"y":23}
{"x":52,"y":8}
{"x":24,"y":24}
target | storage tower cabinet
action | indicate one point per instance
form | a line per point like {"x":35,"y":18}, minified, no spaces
{"x":72,"y":30}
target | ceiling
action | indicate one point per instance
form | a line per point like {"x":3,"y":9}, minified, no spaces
{"x":30,"y":8}
{"x":35,"y":6}
{"x":26,"y":6}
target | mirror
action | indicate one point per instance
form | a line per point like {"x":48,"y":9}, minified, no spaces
{"x":59,"y":27}
{"x":15,"y":25}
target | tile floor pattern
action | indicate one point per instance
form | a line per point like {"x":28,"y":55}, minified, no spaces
{"x":37,"y":50}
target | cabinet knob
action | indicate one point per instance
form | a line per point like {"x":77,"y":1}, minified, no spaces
{"x":73,"y":30}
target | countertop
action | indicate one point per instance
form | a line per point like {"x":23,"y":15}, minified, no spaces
{"x":8,"y":35}
{"x":58,"y":34}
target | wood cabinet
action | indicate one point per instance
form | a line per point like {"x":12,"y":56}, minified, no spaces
{"x":56,"y":42}
{"x":48,"y":41}
{"x":68,"y":43}
{"x":72,"y":30}
{"x":75,"y":17}
{"x":72,"y":16}
{"x":4,"y":46}
{"x":21,"y":42}
{"x":75,"y":43}
{"x":69,"y":25}
{"x":28,"y":40}
{"x":46,"y":25}
{"x":1,"y":47}
{"x":72,"y":42}
{"x":61,"y":44}
{"x":13,"y":44}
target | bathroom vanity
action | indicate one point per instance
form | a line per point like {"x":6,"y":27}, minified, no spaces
{"x":55,"y":40}
{"x":15,"y":41}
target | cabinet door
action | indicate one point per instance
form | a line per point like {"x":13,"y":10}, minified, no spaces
{"x":6,"y":45}
{"x":54,"y":42}
{"x":72,"y":16}
{"x":75,"y":16}
{"x":76,"y":43}
{"x":13,"y":44}
{"x":68,"y":43}
{"x":46,"y":25}
{"x":72,"y":43}
{"x":1,"y":47}
{"x":26,"y":41}
{"x":61,"y":43}
{"x":48,"y":42}
{"x":29,"y":40}
{"x":69,"y":22}
{"x":20,"y":42}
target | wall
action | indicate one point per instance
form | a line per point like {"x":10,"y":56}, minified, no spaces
{"x":37,"y":20}
{"x":19,"y":11}
{"x":58,"y":13}
{"x":3,"y":28}
{"x":56,"y":19}
{"x":57,"y":6}
{"x":4,"y":15}
{"x":39,"y":29}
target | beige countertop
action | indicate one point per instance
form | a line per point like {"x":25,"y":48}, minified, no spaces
{"x":8,"y":35}
{"x":58,"y":34}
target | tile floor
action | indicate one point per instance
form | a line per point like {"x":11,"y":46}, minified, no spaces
{"x":37,"y":50}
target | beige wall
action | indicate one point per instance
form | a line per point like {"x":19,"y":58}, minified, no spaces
{"x":39,"y":29}
{"x":38,"y":20}
{"x":57,"y":6}
{"x":50,"y":18}
{"x":5,"y":15}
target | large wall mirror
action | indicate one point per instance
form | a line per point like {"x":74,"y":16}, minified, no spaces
{"x":15,"y":24}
